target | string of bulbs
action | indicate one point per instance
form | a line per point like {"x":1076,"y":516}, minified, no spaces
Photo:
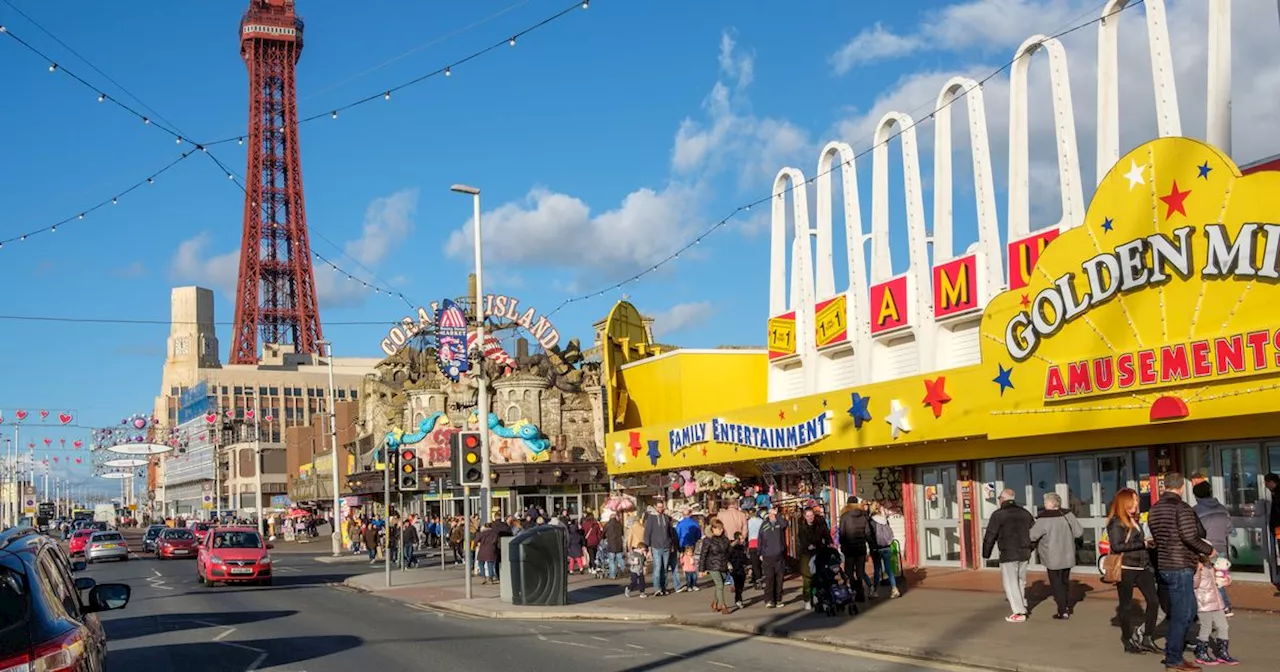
{"x":782,"y":193}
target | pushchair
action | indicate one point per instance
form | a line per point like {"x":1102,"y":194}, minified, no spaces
{"x":831,"y":592}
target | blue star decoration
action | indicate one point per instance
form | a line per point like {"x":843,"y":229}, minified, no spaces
{"x":859,"y":410}
{"x":1204,"y":170}
{"x":1004,"y":378}
{"x":1107,"y":224}
{"x":654,"y":453}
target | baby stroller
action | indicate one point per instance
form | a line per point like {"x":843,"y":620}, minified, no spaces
{"x":831,"y":591}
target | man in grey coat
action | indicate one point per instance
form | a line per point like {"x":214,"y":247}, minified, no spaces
{"x":1216,"y":520}
{"x":1055,"y":534}
{"x":657,"y":536}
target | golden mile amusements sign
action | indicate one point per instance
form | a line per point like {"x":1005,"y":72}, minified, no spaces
{"x":498,"y":306}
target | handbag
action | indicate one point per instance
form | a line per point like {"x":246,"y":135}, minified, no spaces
{"x":1112,"y":564}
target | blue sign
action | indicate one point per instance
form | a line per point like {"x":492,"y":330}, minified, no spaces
{"x":792,"y":437}
{"x":194,"y":403}
{"x":451,"y":340}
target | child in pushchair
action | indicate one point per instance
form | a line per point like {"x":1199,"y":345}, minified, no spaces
{"x":831,"y":591}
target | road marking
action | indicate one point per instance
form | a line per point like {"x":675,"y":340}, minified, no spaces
{"x":598,"y":639}
{"x":541,"y":637}
{"x":157,"y":573}
{"x":226,"y":632}
{"x":673,"y":655}
{"x":561,"y":641}
{"x":636,"y":646}
{"x":712,"y":662}
{"x":158,"y":583}
{"x":626,"y":655}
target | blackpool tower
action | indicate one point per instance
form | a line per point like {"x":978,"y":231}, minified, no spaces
{"x":276,"y":291}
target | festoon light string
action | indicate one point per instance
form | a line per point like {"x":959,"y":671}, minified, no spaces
{"x":721,"y":223}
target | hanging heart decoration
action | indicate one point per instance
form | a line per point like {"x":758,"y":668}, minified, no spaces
{"x":48,"y":442}
{"x":269,"y":418}
{"x":248,"y":414}
{"x":231,"y":414}
{"x":32,"y":445}
{"x":78,"y":460}
{"x":65,"y":418}
{"x":44,"y":415}
{"x":62,"y":442}
{"x":211,"y":418}
{"x":21,"y":414}
{"x":55,"y":459}
{"x":78,"y":443}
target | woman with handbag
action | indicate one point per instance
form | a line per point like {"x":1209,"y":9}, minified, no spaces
{"x":1129,"y":566}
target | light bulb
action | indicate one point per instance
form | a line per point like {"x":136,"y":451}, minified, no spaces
{"x":586,"y":3}
{"x":102,"y":97}
{"x":151,"y":180}
{"x":335,"y":114}
{"x":512,"y":41}
{"x":80,"y":216}
{"x":178,"y":140}
{"x":22,"y":237}
{"x":447,"y":72}
{"x":53,"y":67}
{"x":230,"y":176}
{"x":53,"y":229}
{"x":146,"y":121}
{"x":114,"y":201}
{"x":240,"y":141}
{"x":386,"y":96}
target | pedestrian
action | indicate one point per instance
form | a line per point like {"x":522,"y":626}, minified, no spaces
{"x":688,"y":534}
{"x":635,"y":565}
{"x":733,"y":518}
{"x":1271,"y":528}
{"x":880,"y":545}
{"x":715,"y":563}
{"x":1125,"y":534}
{"x":753,"y":548}
{"x":487,"y":553}
{"x":592,"y":535}
{"x":1178,"y":549}
{"x":370,"y":537}
{"x":408,"y":544}
{"x":1212,"y":646}
{"x":658,"y":534}
{"x":1054,"y":533}
{"x":1009,"y":529}
{"x":811,"y":534}
{"x":738,"y":563}
{"x":1216,"y":520}
{"x":614,"y":545}
{"x":773,"y":557}
{"x":575,"y":546}
{"x":852,"y":535}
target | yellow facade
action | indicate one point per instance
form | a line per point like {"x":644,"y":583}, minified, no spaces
{"x":1151,"y":321}
{"x":696,"y":383}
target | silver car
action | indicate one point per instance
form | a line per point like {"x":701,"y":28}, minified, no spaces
{"x":106,"y":546}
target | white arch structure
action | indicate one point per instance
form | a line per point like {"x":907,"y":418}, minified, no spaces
{"x":930,"y":337}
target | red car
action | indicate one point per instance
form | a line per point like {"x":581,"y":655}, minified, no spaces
{"x":176,"y":543}
{"x":79,"y":540}
{"x":233,"y":554}
{"x":201,"y":530}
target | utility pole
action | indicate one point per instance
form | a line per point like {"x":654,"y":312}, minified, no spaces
{"x":333,"y":443}
{"x":257,"y":471}
{"x":386,"y":511}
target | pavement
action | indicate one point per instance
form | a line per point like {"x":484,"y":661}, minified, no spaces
{"x":944,"y":616}
{"x":309,"y":622}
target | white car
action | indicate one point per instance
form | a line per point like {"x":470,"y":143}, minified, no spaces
{"x":106,"y":546}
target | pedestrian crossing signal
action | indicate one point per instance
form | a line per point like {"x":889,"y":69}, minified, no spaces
{"x":467,"y":459}
{"x":409,"y":476}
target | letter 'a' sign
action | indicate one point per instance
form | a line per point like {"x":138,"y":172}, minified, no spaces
{"x":890,"y":307}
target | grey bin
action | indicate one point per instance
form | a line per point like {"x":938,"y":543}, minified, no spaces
{"x":535,"y":567}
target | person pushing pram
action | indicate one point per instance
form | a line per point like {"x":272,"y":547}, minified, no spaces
{"x":831,"y":591}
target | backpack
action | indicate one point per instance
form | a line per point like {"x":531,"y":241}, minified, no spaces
{"x":593,"y":534}
{"x":884,"y":534}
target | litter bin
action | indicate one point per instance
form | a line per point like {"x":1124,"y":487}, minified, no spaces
{"x":536,"y":567}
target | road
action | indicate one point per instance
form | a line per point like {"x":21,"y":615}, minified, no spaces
{"x":305,"y":624}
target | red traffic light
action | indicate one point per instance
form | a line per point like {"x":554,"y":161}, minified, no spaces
{"x":407,"y":455}
{"x":471,"y":441}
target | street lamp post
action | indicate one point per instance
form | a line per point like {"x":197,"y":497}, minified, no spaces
{"x":257,"y":467}
{"x":482,"y":413}
{"x":333,"y":442}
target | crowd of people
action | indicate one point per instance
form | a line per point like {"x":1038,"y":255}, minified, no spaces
{"x":1176,"y":559}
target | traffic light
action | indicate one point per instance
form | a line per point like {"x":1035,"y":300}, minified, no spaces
{"x":466,"y":459}
{"x":410,"y":479}
{"x":392,"y":457}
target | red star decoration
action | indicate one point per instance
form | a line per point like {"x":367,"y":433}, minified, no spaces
{"x":782,"y":415}
{"x":1176,"y":201}
{"x":936,"y":394}
{"x":634,"y":443}
{"x":703,"y":450}
{"x":1026,"y":301}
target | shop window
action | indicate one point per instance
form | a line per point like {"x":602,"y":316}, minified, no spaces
{"x":1080,"y":479}
{"x":1241,"y":473}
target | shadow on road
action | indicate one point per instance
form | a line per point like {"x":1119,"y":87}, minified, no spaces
{"x":226,"y":655}
{"x":141,"y":626}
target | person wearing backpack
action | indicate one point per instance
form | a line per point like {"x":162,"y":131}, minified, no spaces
{"x":592,"y":535}
{"x":880,"y":541}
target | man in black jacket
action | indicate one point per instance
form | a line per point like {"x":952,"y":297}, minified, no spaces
{"x":1179,"y":547}
{"x":854,"y":524}
{"x":1009,"y":529}
{"x":773,"y":554}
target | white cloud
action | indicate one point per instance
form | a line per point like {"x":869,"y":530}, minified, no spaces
{"x":681,"y":317}
{"x":387,"y":221}
{"x":135,"y":270}
{"x":873,"y":44}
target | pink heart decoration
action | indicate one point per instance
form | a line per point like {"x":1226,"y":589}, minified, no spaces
{"x":44,"y":414}
{"x":77,"y":460}
{"x":65,"y":418}
{"x":78,"y":443}
{"x":211,"y":418}
{"x":231,"y":415}
{"x":268,"y":418}
{"x":139,"y":423}
{"x":248,"y":413}
{"x":1,"y":419}
{"x":55,"y":459}
{"x":48,"y":442}
{"x":22,"y":415}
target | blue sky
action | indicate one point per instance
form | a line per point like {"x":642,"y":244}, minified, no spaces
{"x":602,"y":143}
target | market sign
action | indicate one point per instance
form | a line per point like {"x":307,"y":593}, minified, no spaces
{"x":1171,"y":281}
{"x":497,"y":306}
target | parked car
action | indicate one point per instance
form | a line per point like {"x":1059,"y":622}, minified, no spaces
{"x":48,"y":624}
{"x":234,"y":554}
{"x":78,"y":541}
{"x":105,"y":546}
{"x":150,"y":536}
{"x":201,"y":530}
{"x":177,"y":543}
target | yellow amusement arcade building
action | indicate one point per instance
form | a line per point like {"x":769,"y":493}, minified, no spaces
{"x":1134,"y":339}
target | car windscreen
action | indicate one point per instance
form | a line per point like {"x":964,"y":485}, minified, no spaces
{"x":179,"y":534}
{"x":154,"y":532}
{"x":83,"y":533}
{"x":13,"y":598}
{"x":107,"y":536}
{"x":237,"y":540}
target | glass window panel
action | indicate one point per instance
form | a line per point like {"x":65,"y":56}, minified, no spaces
{"x":1113,"y":475}
{"x":990,"y":489}
{"x":1080,"y":480}
{"x":1087,"y":548}
{"x":947,"y":493}
{"x":1142,"y":474}
{"x":1241,"y":473}
{"x":1044,"y":478}
{"x":932,"y":494}
{"x":933,"y":549}
{"x":1197,"y":461}
{"x":1017,"y":477}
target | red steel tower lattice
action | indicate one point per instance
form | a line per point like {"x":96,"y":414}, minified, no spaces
{"x":276,"y":291}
